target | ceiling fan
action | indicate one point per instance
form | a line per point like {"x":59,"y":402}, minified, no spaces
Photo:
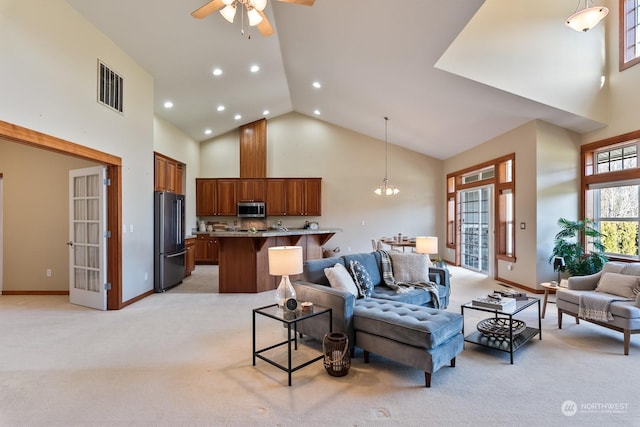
{"x":254,"y":8}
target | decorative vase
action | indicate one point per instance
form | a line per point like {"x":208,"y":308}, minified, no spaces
{"x":285,"y":291}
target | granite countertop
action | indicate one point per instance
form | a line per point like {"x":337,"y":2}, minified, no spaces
{"x":269,"y":232}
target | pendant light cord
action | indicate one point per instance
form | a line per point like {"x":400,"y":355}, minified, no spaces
{"x":386,"y":147}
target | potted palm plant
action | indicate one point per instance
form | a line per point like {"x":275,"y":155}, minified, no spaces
{"x":568,"y":245}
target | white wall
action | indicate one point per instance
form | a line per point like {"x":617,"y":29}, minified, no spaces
{"x":558,"y":189}
{"x":524,"y":47}
{"x":48,"y":66}
{"x":623,"y":103}
{"x":351,"y":166}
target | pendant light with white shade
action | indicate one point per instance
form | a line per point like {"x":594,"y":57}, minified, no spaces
{"x":386,"y":189}
{"x":587,"y":18}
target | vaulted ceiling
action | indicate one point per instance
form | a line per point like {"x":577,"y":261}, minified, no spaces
{"x":373,"y":58}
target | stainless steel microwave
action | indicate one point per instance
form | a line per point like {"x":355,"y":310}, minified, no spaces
{"x":251,"y":210}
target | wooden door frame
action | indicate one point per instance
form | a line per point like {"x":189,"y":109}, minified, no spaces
{"x":113,"y":163}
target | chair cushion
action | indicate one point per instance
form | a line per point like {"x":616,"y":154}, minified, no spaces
{"x":339,"y":278}
{"x":409,"y":324}
{"x":619,"y":284}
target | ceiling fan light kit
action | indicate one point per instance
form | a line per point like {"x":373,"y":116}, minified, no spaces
{"x":585,"y":19}
{"x":254,"y":9}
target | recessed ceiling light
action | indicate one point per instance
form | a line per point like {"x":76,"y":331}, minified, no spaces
{"x":168,"y":104}
{"x":316,"y":112}
{"x":265,"y":112}
{"x":237,"y":117}
{"x":208,"y":131}
{"x":220,"y":107}
{"x":217,"y":72}
{"x":317,"y":84}
{"x":254,"y":68}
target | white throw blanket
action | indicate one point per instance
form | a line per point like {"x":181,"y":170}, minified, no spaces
{"x":596,"y":305}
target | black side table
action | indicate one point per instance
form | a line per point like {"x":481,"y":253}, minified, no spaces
{"x":291,"y":319}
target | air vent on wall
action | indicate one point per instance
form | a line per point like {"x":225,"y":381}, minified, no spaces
{"x":110,"y":87}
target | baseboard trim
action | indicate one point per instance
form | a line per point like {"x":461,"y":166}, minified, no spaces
{"x":34,"y":292}
{"x":136,"y":299}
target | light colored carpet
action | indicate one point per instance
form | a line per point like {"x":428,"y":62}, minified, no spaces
{"x":183,"y":358}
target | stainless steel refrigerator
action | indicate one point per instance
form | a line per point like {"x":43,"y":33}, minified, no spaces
{"x":169,"y":249}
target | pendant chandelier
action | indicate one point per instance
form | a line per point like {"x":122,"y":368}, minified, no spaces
{"x":587,"y":18}
{"x":386,"y":189}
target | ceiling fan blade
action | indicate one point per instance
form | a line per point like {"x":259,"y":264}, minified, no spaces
{"x":302,"y":2}
{"x":265,"y":27}
{"x":207,"y":9}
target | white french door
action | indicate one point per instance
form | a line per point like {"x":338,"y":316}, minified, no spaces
{"x":476,"y":231}
{"x":87,"y":237}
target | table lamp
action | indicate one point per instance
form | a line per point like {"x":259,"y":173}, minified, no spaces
{"x":283,"y":261}
{"x":427,"y":245}
{"x":558,"y":265}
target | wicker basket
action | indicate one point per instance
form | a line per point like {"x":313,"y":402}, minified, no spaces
{"x":500,"y":327}
{"x":335,"y":347}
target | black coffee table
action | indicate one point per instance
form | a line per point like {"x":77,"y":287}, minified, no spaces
{"x":501,"y":336}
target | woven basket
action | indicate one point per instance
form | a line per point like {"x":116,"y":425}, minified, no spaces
{"x":335,"y":347}
{"x":500,"y":328}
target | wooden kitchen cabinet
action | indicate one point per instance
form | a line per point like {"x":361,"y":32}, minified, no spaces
{"x":206,"y":249}
{"x":168,"y":174}
{"x":216,"y":197}
{"x":275,"y":198}
{"x":283,"y":196}
{"x":190,"y":256}
{"x":251,"y":190}
{"x":304,"y":196}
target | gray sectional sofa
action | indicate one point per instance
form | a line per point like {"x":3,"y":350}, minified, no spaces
{"x":402,"y":326}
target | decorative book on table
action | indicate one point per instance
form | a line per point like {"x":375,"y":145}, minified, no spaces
{"x":495,"y":303}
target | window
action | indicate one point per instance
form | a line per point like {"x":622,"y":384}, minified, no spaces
{"x":617,"y":159}
{"x":629,"y":33}
{"x":616,"y":212}
{"x":611,"y":185}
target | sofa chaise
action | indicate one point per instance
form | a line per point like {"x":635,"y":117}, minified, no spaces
{"x":403,"y":326}
{"x":617,"y":287}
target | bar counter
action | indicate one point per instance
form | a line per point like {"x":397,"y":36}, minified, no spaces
{"x":243,"y":262}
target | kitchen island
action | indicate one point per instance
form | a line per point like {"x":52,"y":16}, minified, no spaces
{"x":243,"y":262}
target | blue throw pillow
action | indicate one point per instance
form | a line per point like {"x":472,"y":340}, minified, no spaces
{"x":362,"y":278}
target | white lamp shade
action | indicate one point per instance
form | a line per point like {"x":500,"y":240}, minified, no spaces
{"x":228,"y":2}
{"x":285,"y":260}
{"x":427,"y":245}
{"x":259,"y":4}
{"x":587,"y":18}
{"x":254,"y":17}
{"x":229,"y":12}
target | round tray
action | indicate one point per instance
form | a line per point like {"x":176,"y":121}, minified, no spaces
{"x":500,"y":327}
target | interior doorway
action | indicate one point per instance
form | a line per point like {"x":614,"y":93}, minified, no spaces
{"x":113,"y":164}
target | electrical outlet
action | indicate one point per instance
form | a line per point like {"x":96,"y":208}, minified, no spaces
{"x":363,"y":222}
{"x":48,"y":272}
{"x":146,"y":276}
